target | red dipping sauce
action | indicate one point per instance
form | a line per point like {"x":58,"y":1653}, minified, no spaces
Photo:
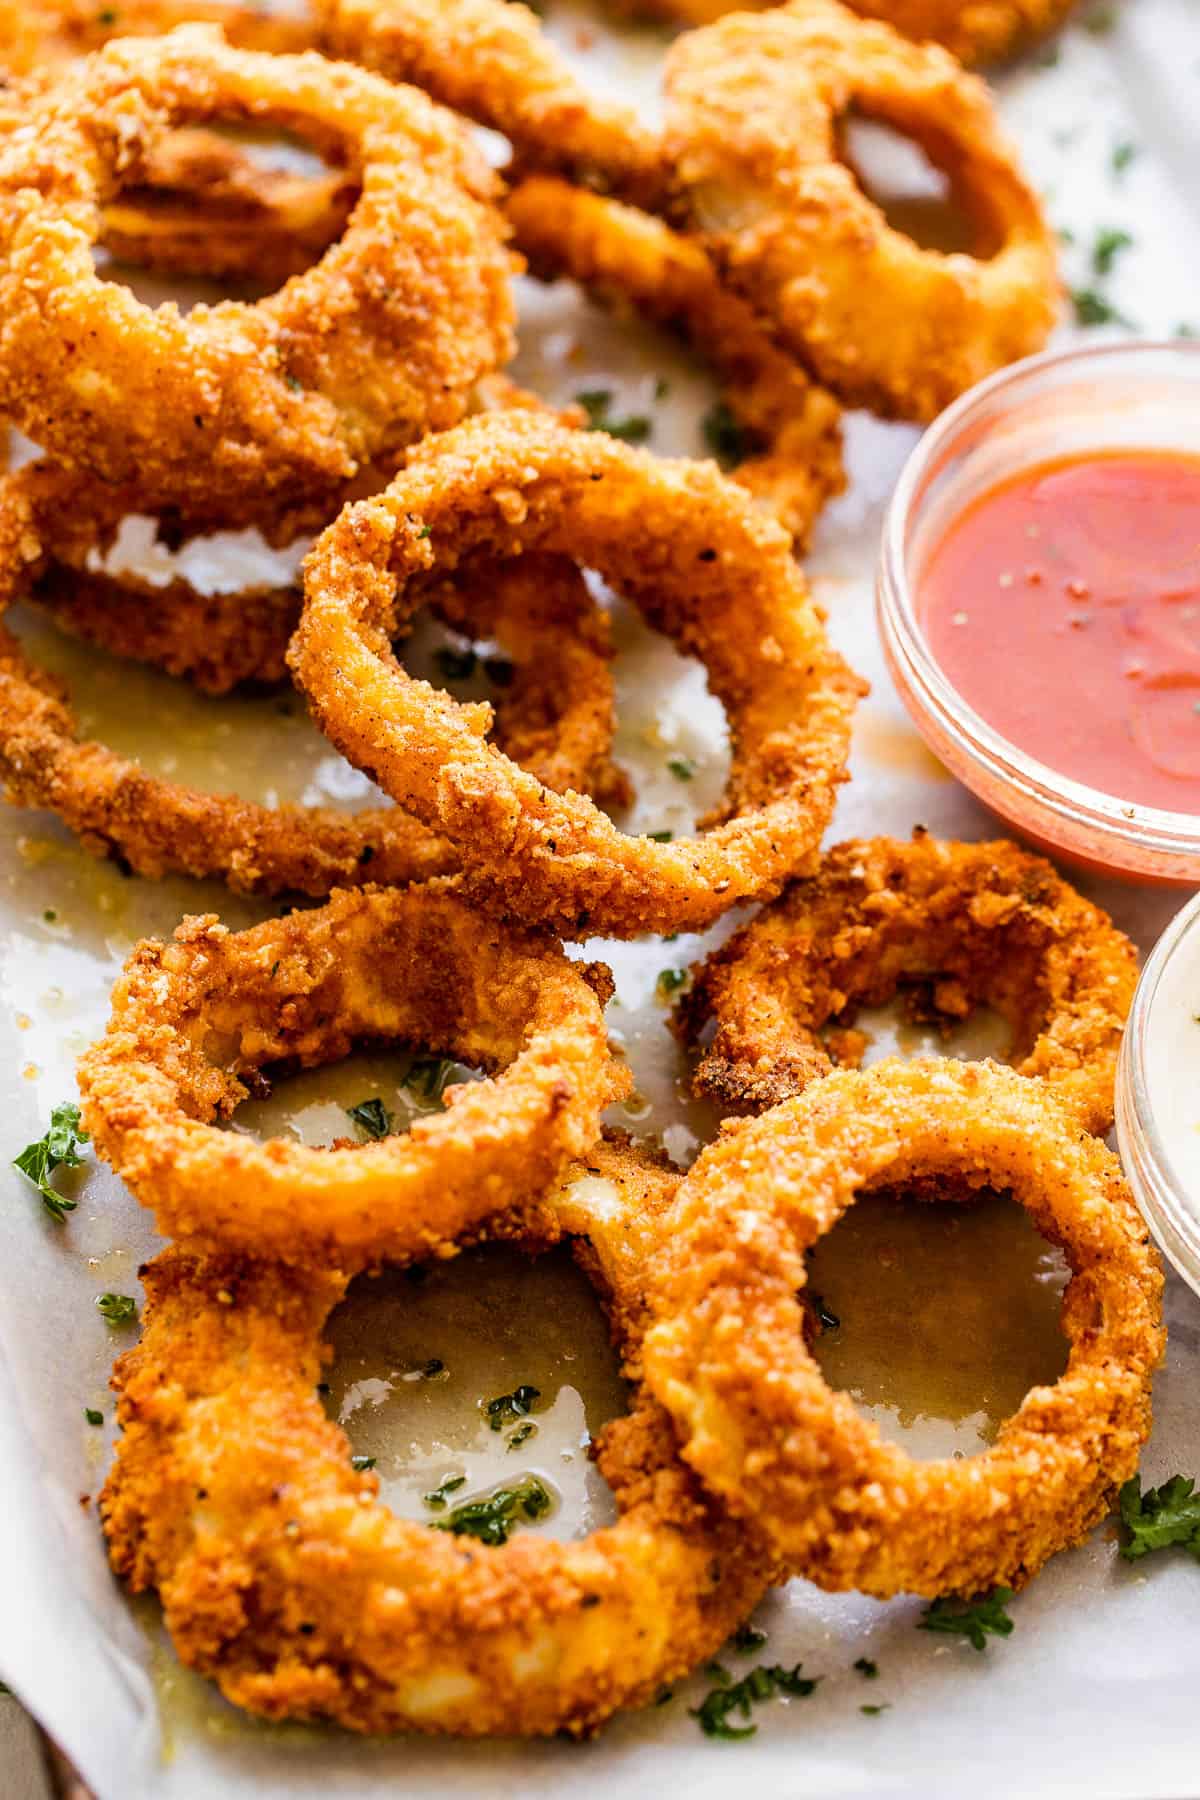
{"x":1064,"y":605}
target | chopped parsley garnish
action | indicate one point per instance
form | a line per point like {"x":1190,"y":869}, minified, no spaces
{"x":1160,"y":1517}
{"x":1091,"y":308}
{"x":506,"y":1409}
{"x":682,"y":768}
{"x":50,"y":915}
{"x":738,"y":1697}
{"x":1110,"y":241}
{"x":972,"y":1619}
{"x":360,"y":1463}
{"x":1122,"y":155}
{"x":747,"y":1639}
{"x":494,"y":1517}
{"x":118,"y":1309}
{"x":670,"y":981}
{"x":866,"y":1668}
{"x":660,"y":837}
{"x":635,"y":428}
{"x":437,"y":1499}
{"x":873,"y":1712}
{"x":455,"y":665}
{"x":723,"y":435}
{"x":522,"y":1434}
{"x":371,"y":1116}
{"x":58,"y":1149}
{"x":428,"y":1076}
{"x":93,"y":1415}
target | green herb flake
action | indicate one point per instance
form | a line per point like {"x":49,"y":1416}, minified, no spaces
{"x":866,"y":1668}
{"x":522,"y":1434}
{"x":429,"y":1076}
{"x":670,"y":981}
{"x":437,"y":1499}
{"x":59,"y":1148}
{"x":736,"y":1698}
{"x":723,"y":435}
{"x":1122,"y":155}
{"x":682,"y":768}
{"x":50,"y":915}
{"x":506,"y":1409}
{"x":93,"y":1415}
{"x":973,"y":1619}
{"x":1110,"y":241}
{"x":1091,"y":308}
{"x":493,"y":1518}
{"x":747,"y":1639}
{"x":118,"y":1309}
{"x":1160,"y":1517}
{"x":361,"y":1463}
{"x":873,"y":1712}
{"x":455,"y":665}
{"x":107,"y":16}
{"x":660,"y":837}
{"x":371,"y":1117}
{"x":635,"y":428}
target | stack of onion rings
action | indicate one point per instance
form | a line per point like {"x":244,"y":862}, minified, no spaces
{"x":694,"y":554}
{"x":192,"y":1018}
{"x":753,"y":105}
{"x":243,"y":404}
{"x":727,"y":1356}
{"x":344,"y":1612}
{"x":977,"y":923}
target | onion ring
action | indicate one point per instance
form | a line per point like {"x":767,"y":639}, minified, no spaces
{"x":757,"y":1421}
{"x":978,"y":923}
{"x":975,"y":31}
{"x":693,"y":553}
{"x":753,"y":104}
{"x":45,"y":36}
{"x":555,"y":714}
{"x":192,"y":1018}
{"x":626,"y":258}
{"x":228,"y":1464}
{"x":242,"y":404}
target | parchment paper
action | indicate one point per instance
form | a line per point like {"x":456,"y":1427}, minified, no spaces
{"x":1094,"y":1694}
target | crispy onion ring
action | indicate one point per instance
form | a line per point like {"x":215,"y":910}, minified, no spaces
{"x":491,"y":60}
{"x":727,"y":1357}
{"x":627,"y":259}
{"x":242,"y":404}
{"x":753,"y":107}
{"x":44,"y":36}
{"x":285,"y":1580}
{"x":974,"y":923}
{"x":418,"y":965}
{"x":694,"y":554}
{"x":975,"y":31}
{"x":556,"y":715}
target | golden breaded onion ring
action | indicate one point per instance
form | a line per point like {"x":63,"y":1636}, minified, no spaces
{"x":703,"y":564}
{"x":975,"y":31}
{"x":285,"y":1580}
{"x":975,"y":924}
{"x":243,"y":405}
{"x":192,"y":1018}
{"x":630,"y":260}
{"x":837,"y":1502}
{"x":39,"y":37}
{"x":556,"y":715}
{"x":753,"y":105}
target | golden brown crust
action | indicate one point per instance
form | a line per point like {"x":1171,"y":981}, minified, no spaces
{"x":753,"y":104}
{"x":975,"y":31}
{"x":629,"y":260}
{"x":694,"y":554}
{"x":974,"y":924}
{"x":190,"y":1019}
{"x":243,"y":404}
{"x":283,"y":1578}
{"x":727,"y":1357}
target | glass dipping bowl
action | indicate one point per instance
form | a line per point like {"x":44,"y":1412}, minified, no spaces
{"x":1154,"y":1102}
{"x":1140,"y":396}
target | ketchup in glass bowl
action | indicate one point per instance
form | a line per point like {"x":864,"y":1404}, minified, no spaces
{"x":1039,"y":602}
